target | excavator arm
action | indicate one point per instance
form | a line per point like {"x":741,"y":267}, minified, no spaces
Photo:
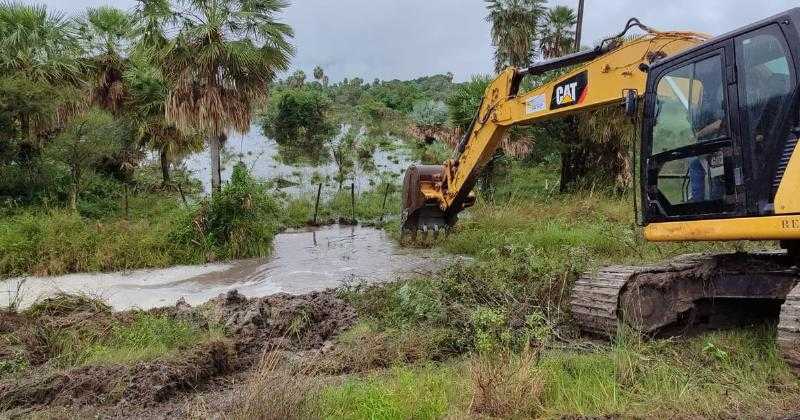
{"x":435,"y":194}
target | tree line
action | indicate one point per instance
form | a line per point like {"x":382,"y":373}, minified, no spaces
{"x":95,"y":93}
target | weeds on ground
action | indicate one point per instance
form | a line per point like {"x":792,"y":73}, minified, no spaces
{"x":62,"y":304}
{"x":72,"y":330}
{"x":364,"y":348}
{"x":506,"y":385}
{"x":148,"y":337}
{"x":426,"y":392}
{"x":276,"y":392}
{"x":238,"y":222}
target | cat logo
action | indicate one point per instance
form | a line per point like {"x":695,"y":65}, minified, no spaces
{"x":571,"y":91}
{"x":564,"y":94}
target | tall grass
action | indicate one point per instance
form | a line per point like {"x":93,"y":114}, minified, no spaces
{"x":57,"y":242}
{"x":427,"y":392}
{"x":147,"y":337}
{"x":630,"y":379}
{"x":238,"y":222}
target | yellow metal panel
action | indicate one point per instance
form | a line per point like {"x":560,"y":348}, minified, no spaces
{"x":787,"y":200}
{"x":747,"y":228}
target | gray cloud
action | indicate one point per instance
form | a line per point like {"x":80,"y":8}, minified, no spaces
{"x":410,"y":38}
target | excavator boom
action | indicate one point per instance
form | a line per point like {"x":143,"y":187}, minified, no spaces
{"x":435,"y":194}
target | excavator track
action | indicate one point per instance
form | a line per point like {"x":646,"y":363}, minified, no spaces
{"x":789,"y":329}
{"x":595,"y":299}
{"x":694,"y":293}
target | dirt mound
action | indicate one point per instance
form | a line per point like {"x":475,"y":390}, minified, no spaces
{"x":142,"y":385}
{"x":252,"y":326}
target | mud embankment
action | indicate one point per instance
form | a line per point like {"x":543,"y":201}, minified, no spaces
{"x":160,"y":388}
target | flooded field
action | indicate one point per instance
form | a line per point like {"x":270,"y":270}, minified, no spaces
{"x":262,"y":156}
{"x":301,"y":262}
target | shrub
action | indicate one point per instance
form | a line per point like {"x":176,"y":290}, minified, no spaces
{"x":429,"y":113}
{"x":239,"y":221}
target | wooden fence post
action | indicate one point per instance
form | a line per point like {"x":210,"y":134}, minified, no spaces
{"x":353,"y":200}
{"x":385,"y":194}
{"x":316,"y":206}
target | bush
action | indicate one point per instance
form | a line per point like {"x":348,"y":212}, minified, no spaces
{"x":429,"y":113}
{"x":239,"y":221}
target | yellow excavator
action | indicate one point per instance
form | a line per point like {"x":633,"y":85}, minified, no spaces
{"x":719,"y":120}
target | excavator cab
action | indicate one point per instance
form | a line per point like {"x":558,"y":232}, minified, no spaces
{"x":718,"y":137}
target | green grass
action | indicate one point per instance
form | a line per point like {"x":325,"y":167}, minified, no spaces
{"x":369,"y":206}
{"x":239,"y":222}
{"x":147,"y":337}
{"x":528,"y":244}
{"x":57,"y":242}
{"x":100,"y":338}
{"x":629,"y":379}
{"x":636,"y":378}
{"x":427,"y":392}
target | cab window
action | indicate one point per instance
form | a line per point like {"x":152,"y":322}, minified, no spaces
{"x":690,"y":116}
{"x":765,"y":82}
{"x":690,"y":106}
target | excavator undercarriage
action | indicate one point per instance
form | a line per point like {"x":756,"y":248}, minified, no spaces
{"x":693,"y":293}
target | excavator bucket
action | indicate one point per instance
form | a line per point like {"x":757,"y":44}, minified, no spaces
{"x":420,"y":214}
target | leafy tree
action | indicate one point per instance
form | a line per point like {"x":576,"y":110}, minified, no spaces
{"x":40,"y":77}
{"x":514,"y":30}
{"x":558,"y":32}
{"x":297,"y":79}
{"x":319,"y":75}
{"x":221,"y":64}
{"x":296,"y":118}
{"x":350,"y":150}
{"x":85,"y":142}
{"x":395,"y":94}
{"x":28,"y":110}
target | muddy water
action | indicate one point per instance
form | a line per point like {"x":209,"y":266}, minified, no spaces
{"x":301,"y":262}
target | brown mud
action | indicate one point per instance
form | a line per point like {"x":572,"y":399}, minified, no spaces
{"x":161,"y":388}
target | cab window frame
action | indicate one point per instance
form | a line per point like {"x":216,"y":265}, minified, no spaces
{"x":656,"y":206}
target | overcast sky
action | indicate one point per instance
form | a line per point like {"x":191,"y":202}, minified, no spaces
{"x":410,"y":38}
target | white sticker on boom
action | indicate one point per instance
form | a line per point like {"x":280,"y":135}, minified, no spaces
{"x":535,"y":104}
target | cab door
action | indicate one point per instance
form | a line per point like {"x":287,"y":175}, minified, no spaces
{"x":691,"y":153}
{"x":767,"y":81}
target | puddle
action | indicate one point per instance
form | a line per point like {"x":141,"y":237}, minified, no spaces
{"x":301,"y":262}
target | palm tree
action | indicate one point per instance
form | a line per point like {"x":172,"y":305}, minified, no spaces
{"x":41,"y":45}
{"x":146,"y":114}
{"x":514,"y":30}
{"x":221,"y":64}
{"x":319,"y":74}
{"x":297,"y":79}
{"x":558,"y":32}
{"x":107,"y":33}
